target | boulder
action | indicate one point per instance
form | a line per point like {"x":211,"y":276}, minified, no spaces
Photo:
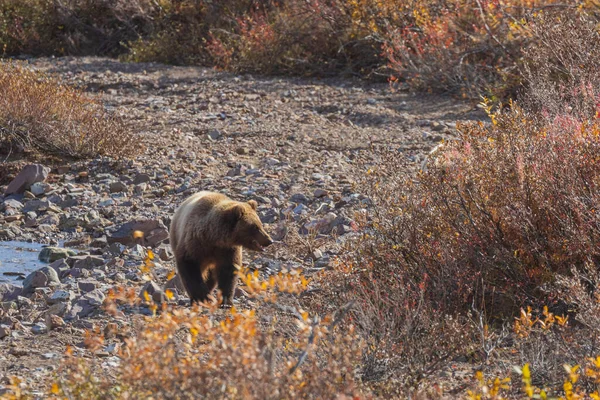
{"x":51,"y":254}
{"x":43,"y":277}
{"x":153,"y":229}
{"x":29,"y":175}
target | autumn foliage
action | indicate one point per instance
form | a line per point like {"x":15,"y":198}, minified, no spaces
{"x":39,"y":114}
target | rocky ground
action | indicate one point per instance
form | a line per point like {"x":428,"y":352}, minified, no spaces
{"x":296,"y":146}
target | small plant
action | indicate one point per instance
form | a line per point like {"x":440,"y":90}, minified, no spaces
{"x":39,"y":114}
{"x":204,"y":351}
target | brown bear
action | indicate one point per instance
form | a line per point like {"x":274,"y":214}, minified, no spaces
{"x":207,"y":234}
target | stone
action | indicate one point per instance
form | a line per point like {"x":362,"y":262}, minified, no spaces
{"x":43,"y":277}
{"x":9,"y":292}
{"x":320,"y":193}
{"x":85,"y":305}
{"x":140,"y":188}
{"x":12,"y":203}
{"x":117,"y":187}
{"x":39,"y":328}
{"x":86,"y":286}
{"x":39,"y":188}
{"x":54,"y":321}
{"x":316,"y":254}
{"x":4,"y":331}
{"x":157,"y":236}
{"x":165,"y":253}
{"x":61,"y":267}
{"x":242,"y":151}
{"x":60,"y":296}
{"x":36,"y":205}
{"x":99,"y":242}
{"x":214,"y":134}
{"x":29,"y":175}
{"x":150,"y":288}
{"x":59,"y":309}
{"x":175,"y":283}
{"x":159,"y":297}
{"x":79,"y":273}
{"x":124,"y":234}
{"x":51,"y":254}
{"x":299,"y":198}
{"x":437,"y":127}
{"x":85,"y":262}
{"x":141,"y":178}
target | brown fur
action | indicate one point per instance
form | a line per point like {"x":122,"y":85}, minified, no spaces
{"x":207,"y":233}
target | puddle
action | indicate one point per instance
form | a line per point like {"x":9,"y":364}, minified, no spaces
{"x":17,"y":260}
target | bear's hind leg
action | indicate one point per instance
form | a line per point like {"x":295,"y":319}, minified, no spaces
{"x":191,"y":277}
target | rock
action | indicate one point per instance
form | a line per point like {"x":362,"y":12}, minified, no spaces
{"x":9,"y":292}
{"x":280,"y":232}
{"x":269,"y":216}
{"x":124,"y":234}
{"x":86,"y":286}
{"x":157,"y":236}
{"x":140,"y":188}
{"x":300,"y":209}
{"x":85,"y":305}
{"x":59,"y":309}
{"x":99,"y":242}
{"x":299,"y":198}
{"x":12,"y":203}
{"x":159,"y":297}
{"x":39,"y":328}
{"x":214,"y":134}
{"x":43,"y":277}
{"x":437,"y":127}
{"x":60,"y":296}
{"x":175,"y":283}
{"x":39,"y":188}
{"x":165,"y":254}
{"x":4,"y":331}
{"x":29,"y":175}
{"x":117,"y":187}
{"x":36,"y":205}
{"x":54,"y":321}
{"x":242,"y":151}
{"x":85,"y":262}
{"x":316,"y":254}
{"x":320,"y":193}
{"x":79,"y":273}
{"x":150,"y":288}
{"x":141,"y":178}
{"x":371,"y":101}
{"x":51,"y":254}
{"x":61,"y":267}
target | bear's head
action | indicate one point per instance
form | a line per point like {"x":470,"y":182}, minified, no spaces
{"x":246,"y":228}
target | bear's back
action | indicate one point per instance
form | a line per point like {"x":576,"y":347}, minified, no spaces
{"x":194,"y":215}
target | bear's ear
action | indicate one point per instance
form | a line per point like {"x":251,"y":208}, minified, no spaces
{"x":253,"y":204}
{"x":232,"y":216}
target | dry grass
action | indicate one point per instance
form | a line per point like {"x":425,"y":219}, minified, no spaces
{"x":39,"y":114}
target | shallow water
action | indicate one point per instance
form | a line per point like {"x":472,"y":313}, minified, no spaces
{"x":17,"y":260}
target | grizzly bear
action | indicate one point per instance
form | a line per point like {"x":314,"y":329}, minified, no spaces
{"x":207,"y":234}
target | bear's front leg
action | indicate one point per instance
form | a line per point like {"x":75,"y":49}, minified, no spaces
{"x":227,"y":274}
{"x":191,"y":277}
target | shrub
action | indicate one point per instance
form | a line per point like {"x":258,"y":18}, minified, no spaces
{"x":562,"y":72}
{"x":200,"y":351}
{"x":73,"y":27}
{"x":39,"y":114}
{"x":498,"y":218}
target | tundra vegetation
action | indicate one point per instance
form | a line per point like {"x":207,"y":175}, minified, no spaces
{"x":474,"y":276}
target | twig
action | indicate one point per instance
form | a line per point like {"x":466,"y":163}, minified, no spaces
{"x":339,"y":315}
